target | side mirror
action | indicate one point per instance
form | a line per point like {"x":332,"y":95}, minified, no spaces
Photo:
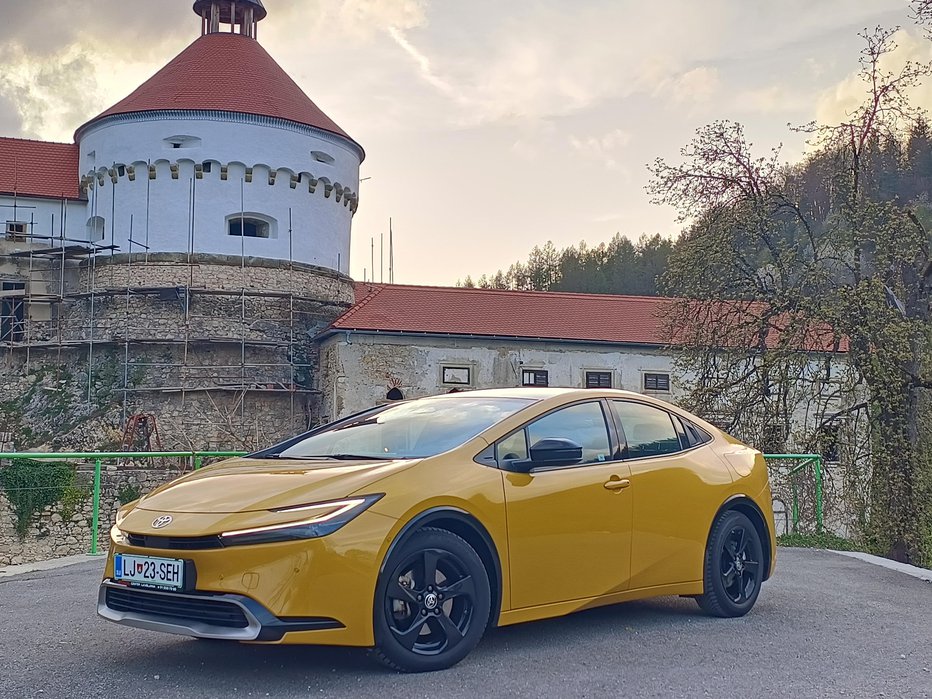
{"x":555,"y":452}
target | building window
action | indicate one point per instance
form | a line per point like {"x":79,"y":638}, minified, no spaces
{"x":322,"y":157}
{"x":598,"y":379}
{"x":176,"y":142}
{"x":535,"y":377}
{"x":249,"y":227}
{"x":456,"y":375}
{"x":657,"y":382}
{"x":394,"y":394}
{"x":95,"y":228}
{"x":12,"y":311}
{"x":16,"y":230}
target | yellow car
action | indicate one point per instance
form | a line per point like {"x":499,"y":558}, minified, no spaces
{"x":413,"y":527}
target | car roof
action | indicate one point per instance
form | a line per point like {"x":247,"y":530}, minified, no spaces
{"x":537,"y":394}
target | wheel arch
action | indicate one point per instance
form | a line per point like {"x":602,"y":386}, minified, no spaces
{"x":468,"y":528}
{"x":746,"y":506}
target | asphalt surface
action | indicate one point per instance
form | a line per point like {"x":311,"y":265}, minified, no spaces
{"x":826,"y":625}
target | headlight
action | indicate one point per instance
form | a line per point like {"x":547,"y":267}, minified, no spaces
{"x":116,"y":534}
{"x":320,"y":519}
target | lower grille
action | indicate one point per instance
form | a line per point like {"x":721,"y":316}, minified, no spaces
{"x":189,"y":608}
{"x":179,"y":543}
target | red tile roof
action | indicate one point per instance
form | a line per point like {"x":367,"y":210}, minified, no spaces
{"x":39,"y":168}
{"x":230,"y":73}
{"x":594,"y":318}
{"x":525,"y":314}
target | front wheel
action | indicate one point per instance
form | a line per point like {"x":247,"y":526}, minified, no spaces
{"x":432,"y":603}
{"x":734,"y":567}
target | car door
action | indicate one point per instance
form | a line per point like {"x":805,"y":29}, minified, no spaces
{"x":569,"y":527}
{"x":674,"y":481}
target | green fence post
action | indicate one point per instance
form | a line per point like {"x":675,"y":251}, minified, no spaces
{"x":795,"y":509}
{"x":818,"y":494}
{"x":198,"y":462}
{"x":95,"y":526}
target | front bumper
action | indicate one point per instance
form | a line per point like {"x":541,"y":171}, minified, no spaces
{"x":287,"y":586}
{"x":226,"y":616}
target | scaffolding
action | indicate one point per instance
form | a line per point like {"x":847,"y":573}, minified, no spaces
{"x":67,"y":308}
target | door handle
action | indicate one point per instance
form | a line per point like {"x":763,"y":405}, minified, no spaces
{"x":616,"y":484}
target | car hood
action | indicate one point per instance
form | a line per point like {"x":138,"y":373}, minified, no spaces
{"x":252,"y":485}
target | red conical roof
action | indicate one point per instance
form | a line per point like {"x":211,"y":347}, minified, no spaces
{"x":230,"y":73}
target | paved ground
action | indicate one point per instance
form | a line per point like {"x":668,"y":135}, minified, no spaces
{"x":826,"y":625}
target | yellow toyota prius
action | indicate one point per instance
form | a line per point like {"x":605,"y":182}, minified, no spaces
{"x":412,"y":528}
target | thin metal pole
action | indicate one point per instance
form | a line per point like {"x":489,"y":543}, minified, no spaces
{"x":242,"y":248}
{"x":291,"y":287}
{"x":818,"y":494}
{"x":95,"y":517}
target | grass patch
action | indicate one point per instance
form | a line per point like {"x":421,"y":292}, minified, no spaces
{"x":817,"y":541}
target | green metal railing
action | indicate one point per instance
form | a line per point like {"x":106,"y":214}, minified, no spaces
{"x":804,"y":461}
{"x":197,"y":460}
{"x":99,"y":457}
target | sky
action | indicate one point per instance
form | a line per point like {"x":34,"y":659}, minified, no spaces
{"x":490,"y":127}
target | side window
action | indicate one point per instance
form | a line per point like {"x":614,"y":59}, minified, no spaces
{"x":649,"y":430}
{"x":512,"y":447}
{"x":584,"y":423}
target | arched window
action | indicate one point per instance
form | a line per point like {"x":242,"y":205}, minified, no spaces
{"x":395,"y":394}
{"x":96,"y":227}
{"x":251,"y":225}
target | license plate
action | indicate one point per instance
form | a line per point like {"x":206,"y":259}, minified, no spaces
{"x":149,"y":571}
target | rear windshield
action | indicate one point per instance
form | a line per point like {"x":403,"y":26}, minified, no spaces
{"x":413,"y":430}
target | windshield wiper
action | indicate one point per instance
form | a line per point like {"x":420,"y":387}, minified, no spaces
{"x":345,"y":457}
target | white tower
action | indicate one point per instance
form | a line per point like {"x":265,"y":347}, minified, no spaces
{"x":221,"y":152}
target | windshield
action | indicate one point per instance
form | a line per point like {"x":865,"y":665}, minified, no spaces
{"x":412,"y":430}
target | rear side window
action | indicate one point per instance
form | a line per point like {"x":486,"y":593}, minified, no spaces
{"x":648,"y":430}
{"x":695,"y":435}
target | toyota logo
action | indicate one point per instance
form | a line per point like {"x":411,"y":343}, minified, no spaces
{"x":161,"y":522}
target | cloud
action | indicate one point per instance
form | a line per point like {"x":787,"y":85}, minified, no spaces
{"x":424,"y":64}
{"x":603,"y":148}
{"x":774,"y":99}
{"x":837,"y":102}
{"x":697,"y":86}
{"x":50,"y":94}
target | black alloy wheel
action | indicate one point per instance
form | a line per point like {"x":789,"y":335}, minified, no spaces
{"x":734,"y":567}
{"x":432,"y":603}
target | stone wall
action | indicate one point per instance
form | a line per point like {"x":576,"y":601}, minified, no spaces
{"x":64,"y":529}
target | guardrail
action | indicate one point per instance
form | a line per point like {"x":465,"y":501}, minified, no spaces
{"x":801,"y":463}
{"x":197,"y":459}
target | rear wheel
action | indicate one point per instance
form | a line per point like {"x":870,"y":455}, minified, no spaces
{"x":432,"y":603}
{"x":734,"y":567}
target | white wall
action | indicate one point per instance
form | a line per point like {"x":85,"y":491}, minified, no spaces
{"x":359,"y":369}
{"x":46,"y":216}
{"x":159,"y":209}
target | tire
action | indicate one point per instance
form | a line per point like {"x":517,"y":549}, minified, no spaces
{"x":734,"y":567}
{"x":432,"y":603}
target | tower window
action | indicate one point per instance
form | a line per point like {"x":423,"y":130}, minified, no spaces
{"x":249,"y":228}
{"x":16,"y":230}
{"x":322,"y":157}
{"x":12,"y":311}
{"x":95,"y":228}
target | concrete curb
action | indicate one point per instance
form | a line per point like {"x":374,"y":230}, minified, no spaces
{"x":13,"y":571}
{"x":914,"y":571}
